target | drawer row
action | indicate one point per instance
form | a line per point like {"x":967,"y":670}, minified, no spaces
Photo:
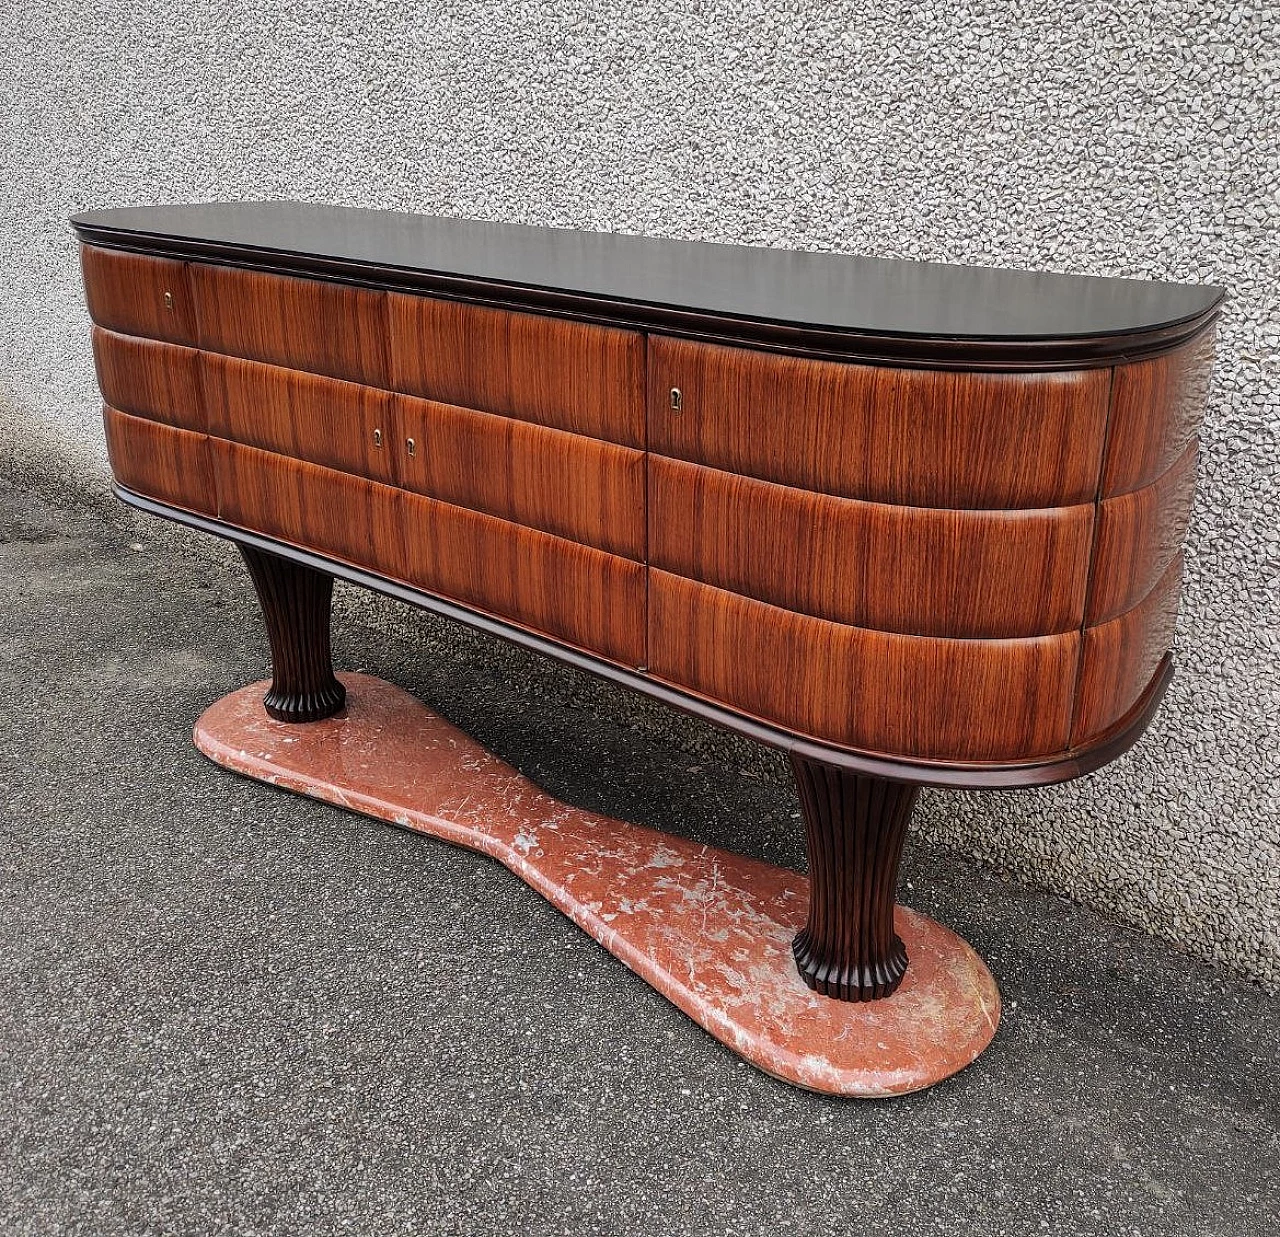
{"x":927,"y":438}
{"x":905,"y":695}
{"x":912,"y":570}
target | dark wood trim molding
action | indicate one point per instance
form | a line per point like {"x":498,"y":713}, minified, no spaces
{"x":1117,"y":740}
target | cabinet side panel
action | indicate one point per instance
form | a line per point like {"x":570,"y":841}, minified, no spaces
{"x":593,"y":600}
{"x":323,"y":420}
{"x":311,"y":324}
{"x":906,"y":696}
{"x":168,"y":464}
{"x":570,"y":485}
{"x":147,"y":378}
{"x":922,"y":438}
{"x":1156,"y":410}
{"x":565,"y":374}
{"x":138,"y":295}
{"x":915,"y":570}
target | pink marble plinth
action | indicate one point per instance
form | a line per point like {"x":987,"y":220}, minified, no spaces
{"x":708,"y":929}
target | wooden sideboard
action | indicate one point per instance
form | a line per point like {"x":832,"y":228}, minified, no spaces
{"x":915,"y":524}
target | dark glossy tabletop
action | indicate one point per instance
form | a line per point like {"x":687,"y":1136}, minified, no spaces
{"x":867,"y":297}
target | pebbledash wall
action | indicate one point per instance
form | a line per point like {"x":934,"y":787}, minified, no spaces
{"x":1116,"y":137}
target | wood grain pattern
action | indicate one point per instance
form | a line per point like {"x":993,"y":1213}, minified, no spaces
{"x":854,"y":830}
{"x":1120,"y":657}
{"x":310,"y":324}
{"x":1139,"y":533}
{"x":160,"y":461}
{"x":567,"y":375}
{"x":566,"y":484}
{"x":138,"y":295}
{"x":1157,"y":407}
{"x":915,"y":570}
{"x":318,"y":508}
{"x":323,"y":420}
{"x":590,"y":599}
{"x":913,"y":696}
{"x":150,"y":379}
{"x":913,"y":437}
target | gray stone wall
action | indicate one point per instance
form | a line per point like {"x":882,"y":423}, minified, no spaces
{"x":1115,"y":138}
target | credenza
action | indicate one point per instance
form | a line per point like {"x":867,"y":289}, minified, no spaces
{"x":914,"y":524}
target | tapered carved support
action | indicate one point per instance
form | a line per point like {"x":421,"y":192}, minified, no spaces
{"x":295,"y":603}
{"x":854,"y":830}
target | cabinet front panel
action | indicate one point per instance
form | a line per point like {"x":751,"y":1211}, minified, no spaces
{"x":564,"y":374}
{"x":923,"y":438}
{"x":593,"y":600}
{"x":1156,"y":410}
{"x":309,"y":324}
{"x":336,"y":424}
{"x":150,"y":379}
{"x":137,"y":295}
{"x":911,"y":696}
{"x":915,"y":570}
{"x":315,"y":508}
{"x":1139,"y":534}
{"x":567,"y":484}
{"x":1121,"y":656}
{"x":164,"y":463}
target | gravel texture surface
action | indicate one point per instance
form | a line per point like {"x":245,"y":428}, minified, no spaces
{"x":1121,"y":138}
{"x":225,"y":1009}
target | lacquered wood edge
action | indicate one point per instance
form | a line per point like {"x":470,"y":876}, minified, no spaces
{"x":931,"y":352}
{"x":1113,"y":743}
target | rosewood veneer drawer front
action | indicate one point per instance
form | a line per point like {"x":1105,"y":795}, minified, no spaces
{"x":313,"y":507}
{"x":312,"y":324}
{"x":914,"y":570}
{"x":162,"y":462}
{"x":1156,"y":410}
{"x":1121,"y":656}
{"x":554,"y":371}
{"x":324,"y":420}
{"x":138,"y":295}
{"x":150,"y":379}
{"x":913,"y":696}
{"x":923,"y":438}
{"x":572,"y":486}
{"x":593,"y":600}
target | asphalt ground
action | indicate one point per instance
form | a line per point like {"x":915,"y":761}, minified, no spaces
{"x":228,"y":1009}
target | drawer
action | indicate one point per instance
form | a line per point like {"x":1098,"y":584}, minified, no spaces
{"x":572,"y":486}
{"x":311,"y":324}
{"x":568,"y":375}
{"x":150,"y":379}
{"x":582,"y":596}
{"x":915,"y":570}
{"x":315,"y":508}
{"x":167,"y":464}
{"x":138,"y":295}
{"x":339,"y":425}
{"x":906,"y":696}
{"x":922,"y":438}
{"x":1121,"y":656}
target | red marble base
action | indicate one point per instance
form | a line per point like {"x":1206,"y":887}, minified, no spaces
{"x":708,"y":929}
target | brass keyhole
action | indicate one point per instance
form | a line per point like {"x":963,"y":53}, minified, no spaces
{"x":411,"y":446}
{"x":677,"y":400}
{"x":168,"y":301}
{"x":377,"y":438}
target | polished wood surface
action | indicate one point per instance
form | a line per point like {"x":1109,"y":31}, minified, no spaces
{"x":340,"y":425}
{"x":567,"y":484}
{"x":910,"y":437}
{"x":161,"y":461}
{"x":138,"y":295}
{"x":915,"y":570}
{"x":567,"y":375}
{"x":922,"y":697}
{"x":308,"y":324}
{"x":150,"y":379}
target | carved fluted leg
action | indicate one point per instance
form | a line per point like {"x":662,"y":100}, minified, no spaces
{"x":854,"y":830}
{"x":295,"y":603}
